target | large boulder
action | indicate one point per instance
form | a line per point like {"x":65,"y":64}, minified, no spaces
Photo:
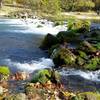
{"x":48,"y":41}
{"x":68,"y":36}
{"x":63,"y":56}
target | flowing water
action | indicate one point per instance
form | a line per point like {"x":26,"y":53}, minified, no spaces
{"x":19,"y":49}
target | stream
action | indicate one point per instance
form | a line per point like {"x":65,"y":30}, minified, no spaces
{"x":19,"y":49}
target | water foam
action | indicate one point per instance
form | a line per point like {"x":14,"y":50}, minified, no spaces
{"x":32,"y":26}
{"x":30,"y":66}
{"x":90,"y":75}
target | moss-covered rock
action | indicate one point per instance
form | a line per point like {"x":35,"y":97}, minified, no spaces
{"x":53,"y":48}
{"x":49,"y":41}
{"x":86,"y":47}
{"x":64,"y":56}
{"x":92,"y":63}
{"x":82,"y":54}
{"x":83,"y":60}
{"x":68,"y":36}
{"x":82,"y":50}
{"x":80,"y":61}
{"x":4,"y":72}
{"x":80,"y":26}
{"x":43,"y":76}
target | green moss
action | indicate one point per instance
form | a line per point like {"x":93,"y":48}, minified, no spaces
{"x":4,"y":70}
{"x":80,"y":61}
{"x":41,"y":76}
{"x":97,"y":45}
{"x":64,"y":56}
{"x":79,"y":25}
{"x":45,"y":75}
{"x":87,"y":47}
{"x":68,"y":36}
{"x":82,"y":54}
{"x":92,"y":64}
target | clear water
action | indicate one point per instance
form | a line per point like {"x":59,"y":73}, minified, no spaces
{"x":19,"y":48}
